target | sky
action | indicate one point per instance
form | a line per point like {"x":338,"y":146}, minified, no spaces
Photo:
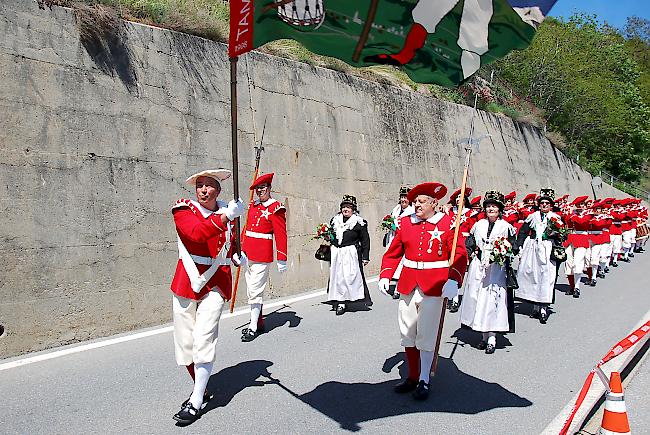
{"x":615,"y":12}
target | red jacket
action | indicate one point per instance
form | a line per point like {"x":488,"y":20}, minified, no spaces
{"x":511,"y":215}
{"x":421,"y":242}
{"x":618,"y":216}
{"x":264,"y":221}
{"x":600,"y":229}
{"x":203,"y":236}
{"x":580,"y":223}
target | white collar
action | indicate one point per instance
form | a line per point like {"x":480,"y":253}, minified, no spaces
{"x":205,"y":212}
{"x":433,"y":219}
{"x":266,"y":203}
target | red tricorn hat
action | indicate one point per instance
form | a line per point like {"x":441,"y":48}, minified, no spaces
{"x":511,"y":196}
{"x":605,"y":204}
{"x":475,"y":201}
{"x":434,"y":190}
{"x":597,"y":204}
{"x":579,"y":199}
{"x":530,"y":197}
{"x":262,"y":179}
{"x":563,"y":197}
{"x":454,"y":196}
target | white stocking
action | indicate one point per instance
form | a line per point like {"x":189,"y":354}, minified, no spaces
{"x":202,"y":372}
{"x":426,"y":359}
{"x":256,"y":310}
{"x":492,"y":338}
{"x":577,"y":277}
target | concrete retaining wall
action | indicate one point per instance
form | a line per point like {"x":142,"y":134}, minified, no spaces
{"x":97,"y":134}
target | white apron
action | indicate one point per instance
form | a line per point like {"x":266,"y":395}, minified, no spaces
{"x":484,"y":307}
{"x":536,"y":273}
{"x":346,"y":282}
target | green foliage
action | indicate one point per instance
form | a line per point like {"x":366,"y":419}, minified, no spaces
{"x":586,"y":80}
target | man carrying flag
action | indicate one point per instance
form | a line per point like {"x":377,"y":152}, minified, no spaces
{"x":424,"y":240}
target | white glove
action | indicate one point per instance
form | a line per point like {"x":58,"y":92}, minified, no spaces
{"x":234,"y":209}
{"x":240,"y":261}
{"x":383,"y":285}
{"x":450,"y":289}
{"x":282,"y":266}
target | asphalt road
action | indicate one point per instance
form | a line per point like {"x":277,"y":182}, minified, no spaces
{"x":314,"y":372}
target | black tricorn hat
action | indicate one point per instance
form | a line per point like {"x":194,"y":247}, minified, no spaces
{"x":493,"y":197}
{"x":547,"y":194}
{"x":350,"y":200}
{"x":404,"y":190}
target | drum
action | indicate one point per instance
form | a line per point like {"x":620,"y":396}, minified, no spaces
{"x":642,"y":231}
{"x":302,"y":13}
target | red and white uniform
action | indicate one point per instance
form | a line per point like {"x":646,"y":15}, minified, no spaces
{"x":207,"y":240}
{"x":265,"y":221}
{"x":523,"y":213}
{"x":599,"y":238}
{"x":578,"y":243}
{"x":426,"y":248}
{"x":202,"y":281}
{"x":511,"y":215}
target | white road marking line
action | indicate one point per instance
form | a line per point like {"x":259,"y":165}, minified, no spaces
{"x":137,"y":335}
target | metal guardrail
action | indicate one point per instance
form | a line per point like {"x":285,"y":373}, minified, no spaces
{"x":632,"y":189}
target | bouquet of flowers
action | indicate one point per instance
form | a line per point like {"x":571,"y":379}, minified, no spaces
{"x":325,"y":232}
{"x":388,"y":223}
{"x":501,"y":251}
{"x":554,"y":228}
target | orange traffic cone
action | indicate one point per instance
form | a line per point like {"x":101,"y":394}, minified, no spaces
{"x":615,"y":417}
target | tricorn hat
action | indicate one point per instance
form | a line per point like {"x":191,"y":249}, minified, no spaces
{"x":434,"y":190}
{"x":547,"y":194}
{"x":493,"y":197}
{"x":404,"y":190}
{"x":217,"y":174}
{"x":530,"y":197}
{"x":350,"y":200}
{"x":510,"y":197}
{"x":475,"y":201}
{"x":262,"y":179}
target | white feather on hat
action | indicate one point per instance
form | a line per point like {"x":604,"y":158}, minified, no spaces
{"x":217,"y":174}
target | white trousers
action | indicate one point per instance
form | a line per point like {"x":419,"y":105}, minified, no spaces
{"x":606,"y":252}
{"x":617,"y":243}
{"x":595,"y":254}
{"x":257,"y":278}
{"x":629,"y":238}
{"x":418,"y":316}
{"x":196,"y":328}
{"x":575,"y":259}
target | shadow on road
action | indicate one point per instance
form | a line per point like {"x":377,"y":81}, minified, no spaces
{"x":453,"y":391}
{"x":473,"y":338}
{"x":278,"y":318}
{"x":230,"y":381}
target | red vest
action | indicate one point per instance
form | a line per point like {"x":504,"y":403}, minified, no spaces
{"x":263,"y":222}
{"x":426,"y":248}
{"x":204,"y":238}
{"x":511,"y":215}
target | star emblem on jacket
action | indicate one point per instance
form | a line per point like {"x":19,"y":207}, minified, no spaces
{"x":436,"y":234}
{"x":265,"y":214}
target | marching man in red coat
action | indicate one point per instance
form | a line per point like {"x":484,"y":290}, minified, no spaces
{"x":266,"y":219}
{"x":202,"y":282}
{"x":428,"y":276}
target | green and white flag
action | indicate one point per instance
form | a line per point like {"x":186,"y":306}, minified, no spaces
{"x":433,"y":41}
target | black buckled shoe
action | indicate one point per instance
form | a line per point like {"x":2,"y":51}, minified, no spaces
{"x":249,"y":335}
{"x":406,"y":386}
{"x":206,"y":398}
{"x":490,"y":349}
{"x":576,"y":293}
{"x":614,"y":264}
{"x":421,"y":391}
{"x":187,"y":415}
{"x":454,"y":307}
{"x":481,"y":345}
{"x":625,"y":260}
{"x":340,"y":309}
{"x":606,"y":269}
{"x":592,"y":283}
{"x":600,"y":275}
{"x":543,"y":317}
{"x":631,"y":254}
{"x":396,"y":295}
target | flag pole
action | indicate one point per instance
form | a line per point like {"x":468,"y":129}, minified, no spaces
{"x":233,"y":138}
{"x":463,"y":187}
{"x":363,"y":37}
